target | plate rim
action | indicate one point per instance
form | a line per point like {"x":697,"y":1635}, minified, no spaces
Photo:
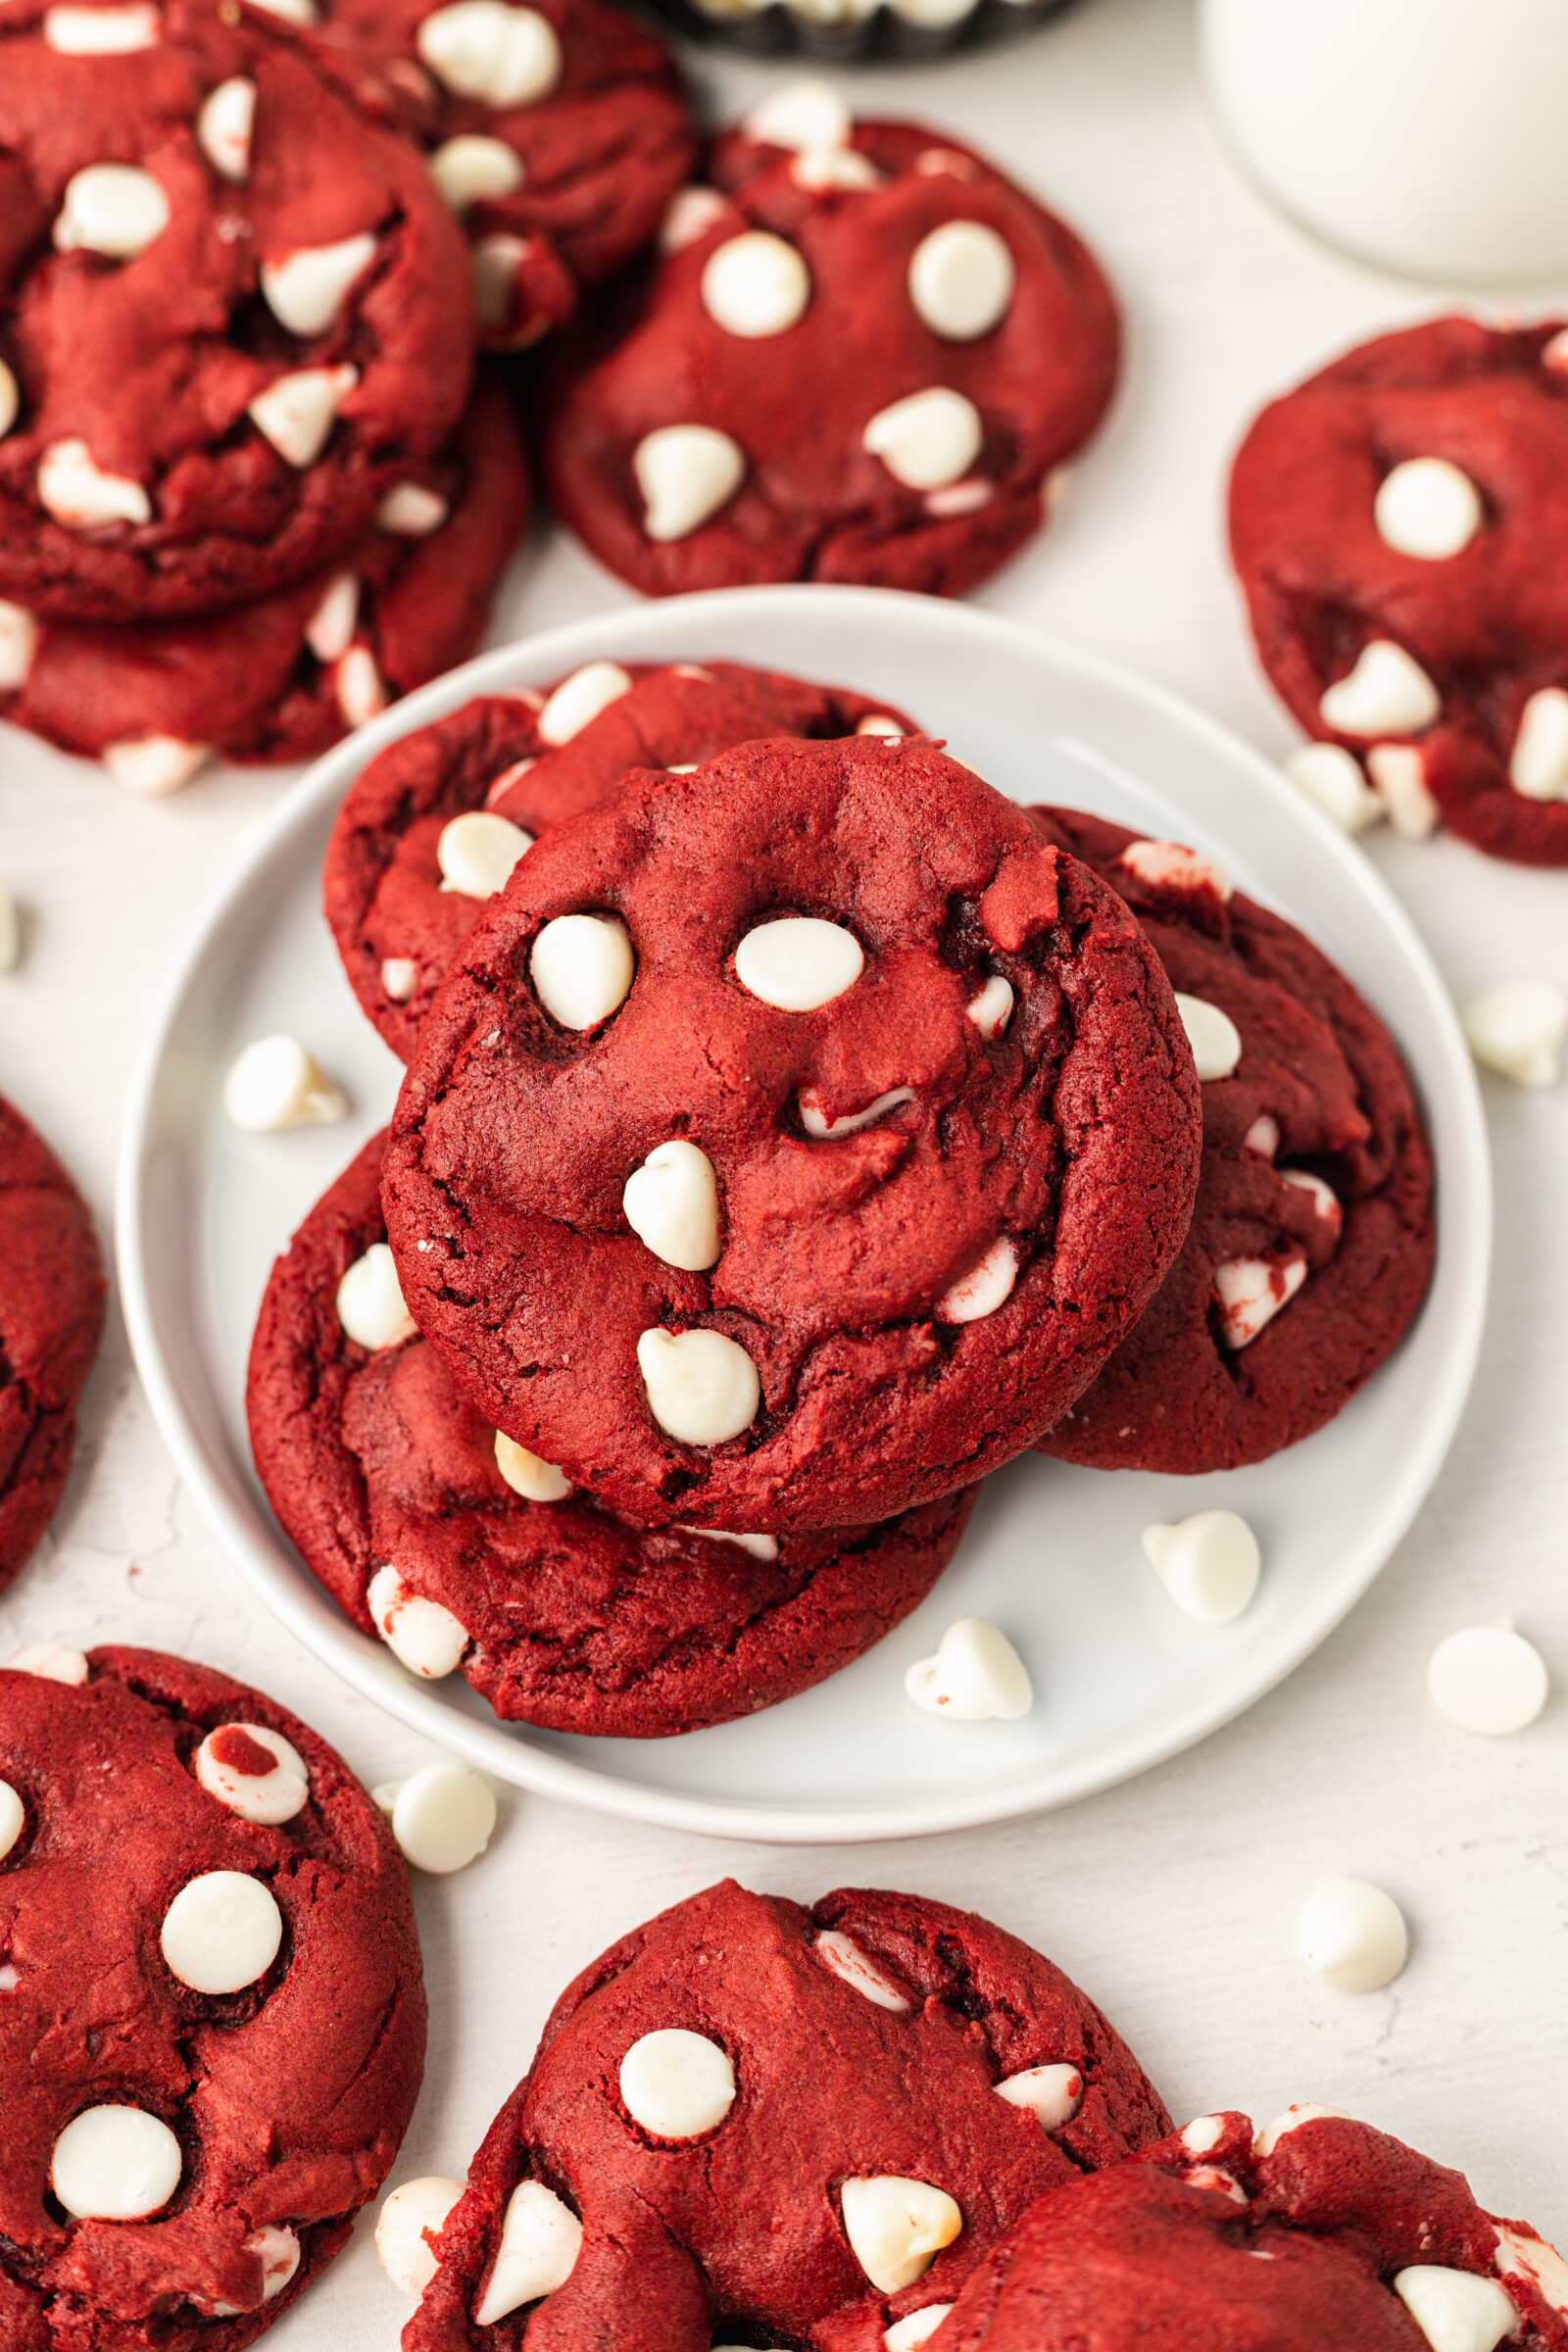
{"x":269,"y":1568}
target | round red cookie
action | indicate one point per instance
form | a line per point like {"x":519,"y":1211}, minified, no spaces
{"x":534,"y":758}
{"x":865,"y":2037}
{"x":1322,"y":2235}
{"x":233,"y":309}
{"x":284,"y":678}
{"x":1395,"y":523}
{"x":861,"y":361}
{"x":267,"y":2113}
{"x":51,"y":1313}
{"x":891,"y":1247}
{"x":560,"y":1614}
{"x":1311,"y":1244}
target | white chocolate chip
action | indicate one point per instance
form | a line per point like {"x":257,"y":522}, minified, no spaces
{"x":815,"y":1121}
{"x":306,"y":290}
{"x":115,"y":2164}
{"x":527,"y":1474}
{"x":221,"y":1931}
{"x":329,"y":631}
{"x":223,"y":128}
{"x":50,"y":1663}
{"x":826,"y":171}
{"x":754,"y":284}
{"x":400,"y":977}
{"x":1427,"y":507}
{"x":582,"y":967}
{"x":702,"y":1388}
{"x":671,"y":1204}
{"x":961,"y":280}
{"x":12,"y":1817}
{"x":927,"y":439}
{"x":1539,"y":765}
{"x":1519,"y":1030}
{"x":685,"y":473}
{"x":1399,"y":774}
{"x":541,"y":2238}
{"x":690,"y":214}
{"x":1332,"y":779}
{"x":274,"y":1083}
{"x":975,"y":1677}
{"x":472,"y":168}
{"x":296,"y":412}
{"x":483,"y":49}
{"x":101,"y":32}
{"x":19,"y":642}
{"x":1250,"y":1291}
{"x":292,"y":11}
{"x":798,"y":963}
{"x":1352,"y":1935}
{"x":1522,"y":2254}
{"x":409,"y":511}
{"x":991,"y":1009}
{"x":478,"y":852}
{"x":761,"y":1547}
{"x":897,"y":2228}
{"x":402,"y":2247}
{"x":442,"y":1816}
{"x":112,"y":209}
{"x":803,"y":115}
{"x":420,"y":1633}
{"x":370,"y":1300}
{"x":1210,"y":1564}
{"x":960,"y":498}
{"x":154,"y":766}
{"x":1202,"y":2134}
{"x":1171,"y":865}
{"x":1213,"y":1035}
{"x":1052,"y":2094}
{"x":1387,"y":692}
{"x":1295,"y":2116}
{"x":359,"y":686}
{"x":844,"y":1957}
{"x":497,"y":261}
{"x":1262,"y":1137}
{"x":878,"y":723}
{"x":272,"y":1795}
{"x":1325,"y":1200}
{"x":916,"y":2329}
{"x":580,"y":699}
{"x":77,"y":493}
{"x":678,"y":2084}
{"x":1487,"y":1678}
{"x":985,"y":1287}
{"x":277,"y":2250}
{"x":1457,"y":2311}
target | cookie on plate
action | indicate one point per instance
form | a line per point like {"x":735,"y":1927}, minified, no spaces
{"x":1395,"y":522}
{"x":234,"y":310}
{"x":402,"y":893}
{"x":752,"y":2122}
{"x":51,"y":1315}
{"x":794,"y":1138}
{"x":1311,"y":1244}
{"x":862,"y":356}
{"x":1320,"y":2232}
{"x":556,"y":1613}
{"x":213,"y":2029}
{"x":283,"y":678}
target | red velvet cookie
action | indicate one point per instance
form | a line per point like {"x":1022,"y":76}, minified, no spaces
{"x":51,"y":1313}
{"x":213,"y":2029}
{"x":556,"y":1613}
{"x":283,"y":678}
{"x":1395,"y":521}
{"x":859,"y":360}
{"x":1321,"y":2236}
{"x":751,"y":2122}
{"x":793,"y":1140}
{"x":1310,"y":1246}
{"x":534,"y":760}
{"x":234,"y":311}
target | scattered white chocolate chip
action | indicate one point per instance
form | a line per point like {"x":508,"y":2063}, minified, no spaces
{"x":254,"y":1771}
{"x":277,"y":2250}
{"x":702,"y":1388}
{"x":962,"y":279}
{"x":402,"y":2247}
{"x":527,"y":1474}
{"x":754,"y":284}
{"x":274,"y":1083}
{"x":223,"y":128}
{"x":690,"y":214}
{"x":816,"y":1122}
{"x":975,"y":1677}
{"x":101,"y":32}
{"x":1171,"y":865}
{"x":1398,"y":773}
{"x":115,"y":2164}
{"x":761,"y":1547}
{"x":1325,"y":1200}
{"x":833,"y":169}
{"x":1210,"y":1564}
{"x":370,"y":1300}
{"x":985,"y":1287}
{"x":483,"y":49}
{"x":154,"y":766}
{"x":9,"y":931}
{"x":927,"y":439}
{"x":1332,"y":779}
{"x":1352,"y":1935}
{"x":306,"y":290}
{"x":221,"y":1931}
{"x":803,"y":115}
{"x":1262,"y":1137}
{"x":19,"y":642}
{"x":917,"y":2328}
{"x":50,"y":1663}
{"x":671,"y":1204}
{"x":113,"y":208}
{"x":1213,"y":1035}
{"x":292,"y":11}
{"x":478,"y":852}
{"x":13,"y":1816}
{"x":1539,"y":765}
{"x":678,"y":2084}
{"x":77,"y":493}
{"x":1052,"y":2094}
{"x":582,"y":967}
{"x":359,"y":686}
{"x":960,"y":498}
{"x":329,"y":631}
{"x":297,"y":412}
{"x":541,"y":2238}
{"x":1202,"y":2134}
{"x":400,"y":977}
{"x":685,"y":473}
{"x":1518,"y":1030}
{"x":1427,"y":507}
{"x":1487,"y":1678}
{"x":991,"y":1009}
{"x":1250,"y":1291}
{"x":1522,"y":2254}
{"x":420,"y":1633}
{"x":798,"y":963}
{"x":1387,"y":692}
{"x":442,"y":1816}
{"x":578,"y":700}
{"x":1295,"y":2116}
{"x":878,"y":723}
{"x":409,"y":511}
{"x":897,"y":2228}
{"x":850,"y":1960}
{"x":472,"y":167}
{"x":1457,"y":2311}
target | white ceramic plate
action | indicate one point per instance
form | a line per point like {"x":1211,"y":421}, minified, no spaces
{"x":1122,"y":1680}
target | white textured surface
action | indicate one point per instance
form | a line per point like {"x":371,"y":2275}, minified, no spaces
{"x":1172,"y":1899}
